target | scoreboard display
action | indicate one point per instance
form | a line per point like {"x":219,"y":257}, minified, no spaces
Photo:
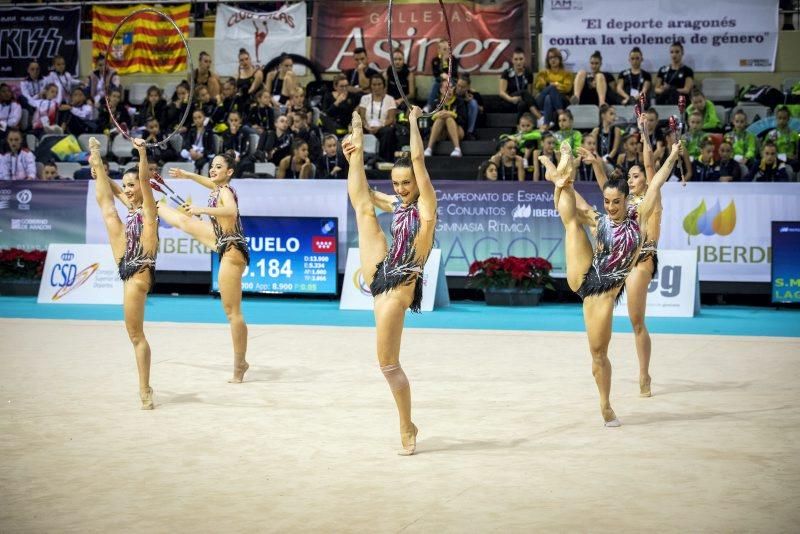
{"x":288,"y":255}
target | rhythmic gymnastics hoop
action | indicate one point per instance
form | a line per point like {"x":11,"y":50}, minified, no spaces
{"x":189,"y":64}
{"x":449,"y":63}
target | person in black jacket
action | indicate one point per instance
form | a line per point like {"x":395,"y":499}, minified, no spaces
{"x":238,"y":140}
{"x":451,"y":120}
{"x":156,"y":154}
{"x":177,"y":107}
{"x":439,"y":68}
{"x":120,"y":113}
{"x":332,"y":164}
{"x":199,"y":143}
{"x":153,"y":106}
{"x":338,"y":106}
{"x":276,"y":144}
{"x":261,"y":115}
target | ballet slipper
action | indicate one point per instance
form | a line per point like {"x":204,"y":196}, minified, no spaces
{"x":644,"y":388}
{"x":238,"y":374}
{"x":611,"y":420}
{"x":411,"y":448}
{"x":147,"y":399}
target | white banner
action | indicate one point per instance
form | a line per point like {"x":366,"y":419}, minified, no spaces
{"x":674,"y":290}
{"x":178,"y":251}
{"x":80,"y":274}
{"x":264,"y":35}
{"x":727,"y":225}
{"x":730,"y":36}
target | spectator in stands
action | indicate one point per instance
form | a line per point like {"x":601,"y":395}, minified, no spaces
{"x":276,"y":144}
{"x":594,"y":87}
{"x":332,"y":164}
{"x":281,"y":81}
{"x":474,"y":102}
{"x":205,"y":77}
{"x":488,"y":171}
{"x":378,"y":113}
{"x":548,"y":149}
{"x":769,"y":168}
{"x":10,"y":111}
{"x":77,"y":115}
{"x":510,"y":165}
{"x":298,"y":164}
{"x":199,"y":143}
{"x":155,"y":154}
{"x":516,"y":86}
{"x":50,"y":169}
{"x":711,"y":122}
{"x":65,"y":81}
{"x":312,"y":135}
{"x":695,"y":136}
{"x":608,"y":135}
{"x":338,"y":106}
{"x":227,"y":101}
{"x":45,"y":111}
{"x":566,"y":132}
{"x":175,"y":110}
{"x":631,"y":156}
{"x":238,"y":140}
{"x":261,"y":115}
{"x":655,"y":134}
{"x":360,"y":77}
{"x":298,"y":105}
{"x":704,"y":168}
{"x":742,"y":141}
{"x":674,"y":79}
{"x":153,"y":107}
{"x":785,"y":138}
{"x":585,"y":171}
{"x":526,"y":137}
{"x":730,"y":170}
{"x":554,"y":85}
{"x":407,"y":80}
{"x":86,"y":173}
{"x":99,"y":84}
{"x":249,"y":79}
{"x":17,"y":162}
{"x":450,"y":121}
{"x":440,"y":69}
{"x":203,"y":100}
{"x":633,"y":81}
{"x":32,"y":87}
{"x":118,"y":112}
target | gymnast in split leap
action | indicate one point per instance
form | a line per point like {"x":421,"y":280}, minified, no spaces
{"x":599,"y":275}
{"x":222,"y":233}
{"x":394,"y":273}
{"x":134,"y":244}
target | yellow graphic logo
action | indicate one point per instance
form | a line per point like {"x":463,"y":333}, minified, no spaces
{"x":702,"y":220}
{"x":360,"y":284}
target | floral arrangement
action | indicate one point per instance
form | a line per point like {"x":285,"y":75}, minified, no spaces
{"x":17,"y":263}
{"x":510,"y":272}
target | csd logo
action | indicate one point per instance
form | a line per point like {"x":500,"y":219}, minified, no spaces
{"x":702,"y":220}
{"x":360,"y":284}
{"x":66,"y":277}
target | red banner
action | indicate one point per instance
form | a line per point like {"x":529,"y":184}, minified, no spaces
{"x":483,"y":36}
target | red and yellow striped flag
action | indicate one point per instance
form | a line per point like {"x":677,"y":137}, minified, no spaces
{"x":146,"y":43}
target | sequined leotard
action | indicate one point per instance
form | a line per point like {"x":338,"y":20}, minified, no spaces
{"x":614,"y":255}
{"x":135,"y":260}
{"x":412,"y":240}
{"x":235,"y":237}
{"x":650,"y":246}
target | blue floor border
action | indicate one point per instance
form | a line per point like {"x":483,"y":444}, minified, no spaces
{"x":717,"y":320}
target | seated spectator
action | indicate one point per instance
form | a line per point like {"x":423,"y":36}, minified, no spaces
{"x":281,"y":81}
{"x":360,"y":77}
{"x":451,"y":121}
{"x":711,"y":122}
{"x":338,"y":106}
{"x":332,"y":164}
{"x":118,"y":111}
{"x":65,"y":81}
{"x":77,"y":116}
{"x":742,"y":141}
{"x":548,"y":149}
{"x":769,"y":168}
{"x":153,"y":107}
{"x":630,"y":157}
{"x":276,"y":144}
{"x":474,"y":102}
{"x":785,"y":138}
{"x":695,"y":136}
{"x":238,"y":141}
{"x":86,"y":173}
{"x":155,"y":154}
{"x":378,"y":114}
{"x":261,"y":114}
{"x":675,"y":79}
{"x":50,"y":169}
{"x":526,"y":136}
{"x":594,"y":87}
{"x":199,"y":143}
{"x":585,"y":171}
{"x":10,"y":111}
{"x":298,"y":164}
{"x":655,"y":135}
{"x":311,"y":134}
{"x":608,"y":135}
{"x":249,"y":79}
{"x":32,"y":87}
{"x":440,"y":68}
{"x":175,"y":110}
{"x":298,"y":104}
{"x":488,"y":171}
{"x":554,"y":85}
{"x":227,"y":101}
{"x":634,"y":81}
{"x":203,"y":100}
{"x":510,"y":166}
{"x":205,"y":77}
{"x":730,"y":170}
{"x":407,"y":80}
{"x":704,"y":168}
{"x":516,"y":86}
{"x":17,"y":162}
{"x":566,"y":132}
{"x":98,"y":85}
{"x":45,"y":111}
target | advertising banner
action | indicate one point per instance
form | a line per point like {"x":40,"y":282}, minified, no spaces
{"x":785,"y":261}
{"x":483,"y":35}
{"x":34,"y":214}
{"x":264,"y":35}
{"x":731,"y":36}
{"x":80,"y":274}
{"x":37,"y":34}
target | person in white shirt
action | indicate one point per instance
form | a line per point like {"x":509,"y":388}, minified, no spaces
{"x":79,"y":119}
{"x":45,"y":111}
{"x":378,"y":112}
{"x":10,"y":111}
{"x":17,"y":163}
{"x":62,"y":79}
{"x":32,"y":86}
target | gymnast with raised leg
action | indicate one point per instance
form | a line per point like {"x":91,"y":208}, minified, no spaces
{"x":223,"y":233}
{"x":599,"y":275}
{"x":394,"y":273}
{"x":135,"y":245}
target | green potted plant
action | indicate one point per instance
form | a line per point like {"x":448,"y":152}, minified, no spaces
{"x":21,"y":271}
{"x":511,"y":281}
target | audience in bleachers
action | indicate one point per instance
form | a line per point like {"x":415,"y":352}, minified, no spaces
{"x":510,"y":165}
{"x":675,"y":79}
{"x":237,"y":140}
{"x":115,"y":109}
{"x":548,"y":149}
{"x":516,"y":86}
{"x":450,"y":122}
{"x":566,"y":132}
{"x":205,"y":77}
{"x":785,"y":138}
{"x":10,"y":111}
{"x":633,"y":81}
{"x":378,"y":113}
{"x":332,"y":163}
{"x":32,"y":87}
{"x":297,"y":164}
{"x":50,"y":172}
{"x":768,"y":168}
{"x":554,"y":85}
{"x":77,"y":116}
{"x":742,"y":141}
{"x":17,"y":163}
{"x":338,"y":106}
{"x":360,"y":77}
{"x":64,"y":80}
{"x":45,"y":111}
{"x":99,"y":83}
{"x":407,"y":80}
{"x":608,"y":134}
{"x":275,"y":144}
{"x":730,"y":170}
{"x":474,"y":101}
{"x":281,"y":81}
{"x":705,"y":107}
{"x":594,"y":87}
{"x":441,"y":71}
{"x":488,"y":171}
{"x":199,"y":143}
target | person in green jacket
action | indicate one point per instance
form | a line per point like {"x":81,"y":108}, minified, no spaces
{"x":705,"y":107}
{"x":785,"y":138}
{"x":566,"y":133}
{"x":695,"y":136}
{"x":742,"y":141}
